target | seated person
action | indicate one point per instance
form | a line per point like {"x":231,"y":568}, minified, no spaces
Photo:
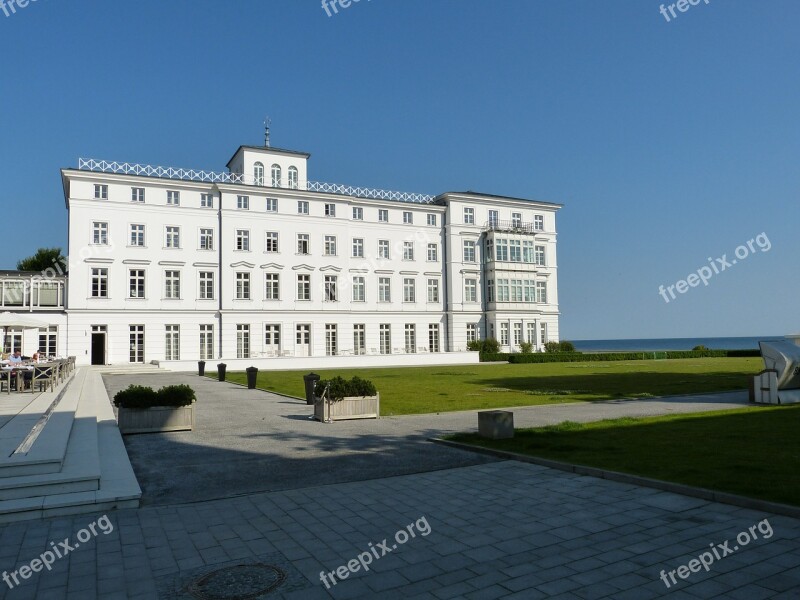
{"x":36,"y":357}
{"x":15,"y":358}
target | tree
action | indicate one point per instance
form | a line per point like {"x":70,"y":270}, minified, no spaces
{"x":45,"y":258}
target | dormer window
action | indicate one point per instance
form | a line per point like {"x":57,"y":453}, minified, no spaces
{"x":258,"y":173}
{"x":293,"y":178}
{"x":276,"y":176}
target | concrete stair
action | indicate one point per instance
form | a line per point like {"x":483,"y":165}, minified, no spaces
{"x":72,"y":462}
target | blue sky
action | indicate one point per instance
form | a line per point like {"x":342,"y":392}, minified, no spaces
{"x":667,"y":142}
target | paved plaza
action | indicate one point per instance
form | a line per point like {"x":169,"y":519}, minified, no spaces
{"x":351,"y":494}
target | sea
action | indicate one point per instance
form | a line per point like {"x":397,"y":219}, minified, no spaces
{"x":660,"y":344}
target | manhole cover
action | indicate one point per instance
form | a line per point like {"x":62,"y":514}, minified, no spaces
{"x":240,"y":582}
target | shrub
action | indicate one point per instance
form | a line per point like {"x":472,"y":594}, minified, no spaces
{"x":552,"y":347}
{"x":475,"y":345}
{"x":565,"y":346}
{"x":339,"y":387}
{"x":137,"y":396}
{"x":700,"y":348}
{"x":494,"y":356}
{"x":526,"y":347}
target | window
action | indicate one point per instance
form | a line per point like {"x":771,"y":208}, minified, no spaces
{"x":516,"y":290}
{"x":258,"y":173}
{"x":385,"y":338}
{"x":359,"y":289}
{"x":13,"y":340}
{"x":490,"y":290}
{"x":173,"y":237}
{"x":206,"y":285}
{"x":136,"y":339}
{"x":243,"y":202}
{"x":383,"y":249}
{"x":243,"y":286}
{"x":494,"y":218}
{"x":137,"y":235}
{"x":384,"y":289}
{"x":304,"y":287}
{"x":431,"y":219}
{"x":469,"y":251}
{"x":330,"y":210}
{"x":527,"y":251}
{"x":173,"y":197}
{"x":544,"y":334}
{"x":330,"y":288}
{"x":243,"y":240}
{"x":206,"y":201}
{"x":99,"y":283}
{"x":409,"y":290}
{"x":302,"y":207}
{"x":531,"y":327}
{"x":408,"y":217}
{"x":302,"y":243}
{"x":331,"y":339}
{"x":136,"y":280}
{"x":501,"y":250}
{"x":172,"y":285}
{"x":516,"y":250}
{"x":272,"y":241}
{"x":303,"y":339}
{"x":433,"y":337}
{"x":293,"y":180}
{"x":243,"y":341}
{"x":433,"y":290}
{"x":489,"y":249}
{"x":206,"y":239}
{"x":330,"y":245}
{"x":516,"y":220}
{"x":272,"y":205}
{"x":100,"y":233}
{"x":48,"y":340}
{"x":470,"y":290}
{"x":502,"y":290}
{"x":472,"y":332}
{"x":358,"y":213}
{"x":359,"y":339}
{"x":272,"y":286}
{"x":408,"y":250}
{"x":411,"y":338}
{"x":48,"y":293}
{"x":137,"y":194}
{"x":100,"y":192}
{"x":517,"y":333}
{"x":383,"y":215}
{"x":469,"y":216}
{"x":538,"y":224}
{"x":530,"y":290}
{"x":358,"y":247}
{"x":276,"y":176}
{"x":504,"y":334}
{"x":539,"y":256}
{"x":541,"y":292}
{"x":272,"y":337}
{"x":433,"y":252}
{"x":206,"y":342}
{"x":172,"y":340}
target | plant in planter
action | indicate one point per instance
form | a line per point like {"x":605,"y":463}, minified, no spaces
{"x":143,"y":410}
{"x":339,"y":398}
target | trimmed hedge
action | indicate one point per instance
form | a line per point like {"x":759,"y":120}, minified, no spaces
{"x":608,"y":356}
{"x":495,"y":356}
{"x":341,"y":388}
{"x":137,"y":396}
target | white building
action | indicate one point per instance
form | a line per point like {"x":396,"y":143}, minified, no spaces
{"x":259,"y":262}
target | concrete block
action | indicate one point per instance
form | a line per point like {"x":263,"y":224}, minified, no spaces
{"x":496,"y":424}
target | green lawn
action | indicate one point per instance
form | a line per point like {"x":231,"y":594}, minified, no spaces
{"x":753,"y":452}
{"x":411,"y":390}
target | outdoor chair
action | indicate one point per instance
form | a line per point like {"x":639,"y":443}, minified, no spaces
{"x":44,"y":375}
{"x":5,"y":380}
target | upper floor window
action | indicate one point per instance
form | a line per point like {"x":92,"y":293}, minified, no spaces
{"x":272,"y":290}
{"x":99,"y":283}
{"x":293,"y":180}
{"x":330,"y":288}
{"x":358,"y":213}
{"x":276,"y":176}
{"x":243,"y":240}
{"x":243,"y":202}
{"x":408,"y":217}
{"x":206,"y":285}
{"x":383,"y":249}
{"x":272,"y":241}
{"x":469,"y":251}
{"x":469,"y":215}
{"x":541,"y":291}
{"x":173,"y":237}
{"x":433,"y":252}
{"x":137,"y":194}
{"x":383,"y":215}
{"x":242,"y":286}
{"x":206,"y":239}
{"x":409,"y":290}
{"x":470,"y":290}
{"x":100,"y":233}
{"x":303,"y":243}
{"x":501,"y":250}
{"x":516,"y":220}
{"x":330,"y":245}
{"x":100,"y":192}
{"x":206,"y":201}
{"x":359,"y":289}
{"x":258,"y":173}
{"x":172,"y":285}
{"x":137,"y":235}
{"x":538,"y":222}
{"x":384,"y":289}
{"x":302,"y":207}
{"x":433,"y":290}
{"x":304,"y":287}
{"x":330,"y":210}
{"x":431,"y":219}
{"x":516,"y":250}
{"x":358,"y":247}
{"x":272,"y":205}
{"x":539,"y":256}
{"x":173,"y":197}
{"x":408,"y":250}
{"x":494,"y":218}
{"x":136,"y":283}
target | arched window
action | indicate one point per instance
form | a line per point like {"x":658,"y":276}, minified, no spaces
{"x":276,"y":176}
{"x":258,"y":173}
{"x":293,"y":178}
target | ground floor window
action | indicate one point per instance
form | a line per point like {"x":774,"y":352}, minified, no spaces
{"x":411,"y":338}
{"x":303,"y":345}
{"x":433,"y":337}
{"x":472,"y":332}
{"x":331,"y":339}
{"x":272,"y":338}
{"x":359,"y":339}
{"x":504,"y":334}
{"x":13,"y":340}
{"x":532,"y":333}
{"x":544,"y":333}
{"x":48,"y":340}
{"x":206,"y":342}
{"x":173,"y":342}
{"x":385,"y":338}
{"x":137,"y":343}
{"x":517,"y":334}
{"x":243,"y":341}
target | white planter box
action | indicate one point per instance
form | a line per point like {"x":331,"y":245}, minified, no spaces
{"x":156,"y":419}
{"x":350,"y":407}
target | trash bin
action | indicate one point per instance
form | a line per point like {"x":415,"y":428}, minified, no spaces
{"x":311,"y":382}
{"x":221,"y":371}
{"x":252,"y":375}
{"x":201,"y":367}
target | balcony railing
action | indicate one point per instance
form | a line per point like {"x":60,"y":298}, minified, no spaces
{"x":512,"y":226}
{"x":103,"y":166}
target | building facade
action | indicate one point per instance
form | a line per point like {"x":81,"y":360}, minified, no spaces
{"x":260,"y":262}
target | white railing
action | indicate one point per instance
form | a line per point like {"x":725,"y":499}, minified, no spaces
{"x":103,"y":166}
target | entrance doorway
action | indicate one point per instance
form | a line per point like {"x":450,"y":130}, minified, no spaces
{"x":98,"y":344}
